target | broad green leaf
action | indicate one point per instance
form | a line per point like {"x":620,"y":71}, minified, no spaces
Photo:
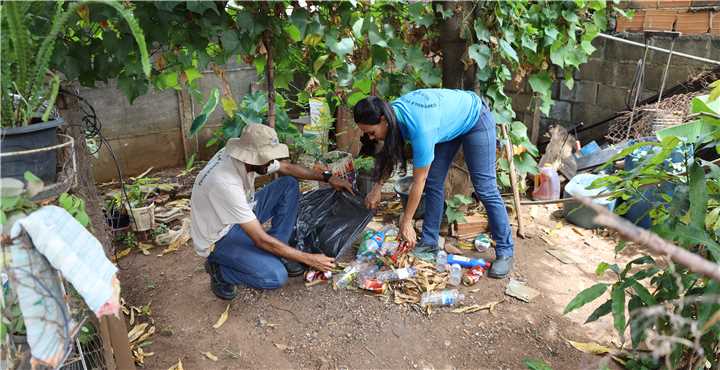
{"x":168,"y":80}
{"x":192,"y":74}
{"x":529,"y":43}
{"x":3,"y":217}
{"x":34,"y":184}
{"x":637,"y":323}
{"x":376,"y":38}
{"x":357,"y":27}
{"x":712,"y":218}
{"x":293,"y":32}
{"x":551,"y":34}
{"x":445,"y":13}
{"x":342,"y":47}
{"x":599,"y":312}
{"x":229,"y":106}
{"x":204,"y":115}
{"x":586,"y":296}
{"x":355,"y":97}
{"x":643,"y":293}
{"x":534,"y":364}
{"x":704,"y":104}
{"x":715,"y":92}
{"x":557,"y":54}
{"x":201,"y":7}
{"x":509,"y":51}
{"x":618,"y":308}
{"x":689,"y":234}
{"x":319,"y":62}
{"x":9,"y":203}
{"x":482,"y":33}
{"x":480,"y":53}
{"x":698,"y":195}
{"x":541,"y":83}
{"x":644,"y":260}
{"x":82,"y":218}
{"x":230,"y":41}
{"x":601,"y":268}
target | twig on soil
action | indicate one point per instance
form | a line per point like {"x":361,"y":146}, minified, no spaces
{"x":371,"y":352}
{"x":233,"y":354}
{"x":286,"y":310}
{"x":629,"y":231}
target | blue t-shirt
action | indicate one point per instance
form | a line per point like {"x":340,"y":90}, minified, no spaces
{"x":430,"y":116}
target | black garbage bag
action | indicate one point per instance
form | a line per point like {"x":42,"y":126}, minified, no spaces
{"x":329,"y":221}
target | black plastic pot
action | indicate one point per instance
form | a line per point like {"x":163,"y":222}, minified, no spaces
{"x":402,"y":188}
{"x":33,"y":136}
{"x":117,"y":220}
{"x":364,"y":183}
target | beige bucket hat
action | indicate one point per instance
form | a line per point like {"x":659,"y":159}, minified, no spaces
{"x":258,"y":145}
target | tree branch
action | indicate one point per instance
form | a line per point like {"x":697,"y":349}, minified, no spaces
{"x":652,"y":241}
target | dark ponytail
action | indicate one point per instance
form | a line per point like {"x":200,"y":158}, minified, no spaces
{"x":369,"y":111}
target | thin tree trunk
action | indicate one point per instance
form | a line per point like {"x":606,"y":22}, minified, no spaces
{"x":270,"y":77}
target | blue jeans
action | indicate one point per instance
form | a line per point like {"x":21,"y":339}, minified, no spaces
{"x":240,"y":260}
{"x":479,"y":149}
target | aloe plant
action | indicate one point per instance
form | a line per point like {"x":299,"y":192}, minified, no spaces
{"x":29,"y":87}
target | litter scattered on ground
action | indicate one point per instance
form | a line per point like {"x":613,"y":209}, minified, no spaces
{"x":174,"y":239}
{"x":210,"y":356}
{"x":223,"y":317}
{"x":521,"y":291}
{"x":476,"y":307}
{"x":178,"y":366}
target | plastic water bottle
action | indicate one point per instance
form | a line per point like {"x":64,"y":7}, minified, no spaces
{"x":455,"y":274}
{"x":441,"y":261}
{"x":446,"y":297}
{"x":370,"y":247}
{"x":399,"y":274}
{"x":466,"y":261}
{"x":366,"y":273}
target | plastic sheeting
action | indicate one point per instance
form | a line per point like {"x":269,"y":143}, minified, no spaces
{"x":329,"y":221}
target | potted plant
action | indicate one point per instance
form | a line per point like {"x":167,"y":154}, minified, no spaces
{"x":29,"y":87}
{"x":115,"y":214}
{"x":141,"y":206}
{"x":364,"y":166}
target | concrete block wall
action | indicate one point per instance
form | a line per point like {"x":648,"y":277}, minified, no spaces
{"x":149,"y":132}
{"x":602,"y":84}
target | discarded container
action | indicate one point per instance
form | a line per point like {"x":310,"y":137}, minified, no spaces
{"x":547,"y":184}
{"x":455,"y":274}
{"x":367,"y":274}
{"x":313,"y":275}
{"x":390,"y":243}
{"x":473,"y":275}
{"x":590,"y":148}
{"x":448,"y":297}
{"x":394,"y":275}
{"x":465,"y":261}
{"x":142,"y":218}
{"x":349,"y":274}
{"x":575,"y":212}
{"x":370,"y":247}
{"x":441,"y":261}
{"x":373,"y":285}
{"x":482,"y":242}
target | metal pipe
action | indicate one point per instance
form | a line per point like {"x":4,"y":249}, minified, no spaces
{"x":629,"y":42}
{"x":665,"y":72}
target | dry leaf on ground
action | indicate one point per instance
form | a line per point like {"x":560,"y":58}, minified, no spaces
{"x":590,"y":347}
{"x":222,"y":318}
{"x":210,"y":356}
{"x":281,"y":347}
{"x":178,"y":366}
{"x":476,"y":307}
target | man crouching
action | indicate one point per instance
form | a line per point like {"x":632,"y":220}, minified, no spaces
{"x":227,"y":215}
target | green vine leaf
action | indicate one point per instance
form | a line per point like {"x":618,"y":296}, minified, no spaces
{"x":481,"y":54}
{"x":482,"y":33}
{"x":509,"y":51}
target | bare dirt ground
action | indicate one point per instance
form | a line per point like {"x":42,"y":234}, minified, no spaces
{"x":317,"y":327}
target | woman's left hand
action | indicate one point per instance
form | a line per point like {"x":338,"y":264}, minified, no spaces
{"x":407,"y":233}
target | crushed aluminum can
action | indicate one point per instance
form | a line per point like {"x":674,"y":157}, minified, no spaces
{"x":473,"y":275}
{"x":313,"y":275}
{"x":482,"y":242}
{"x":373,"y":285}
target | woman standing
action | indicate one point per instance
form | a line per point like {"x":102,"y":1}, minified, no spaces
{"x":436,"y":122}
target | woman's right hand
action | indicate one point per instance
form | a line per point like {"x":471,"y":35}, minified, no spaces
{"x":372,"y":200}
{"x":320,"y":262}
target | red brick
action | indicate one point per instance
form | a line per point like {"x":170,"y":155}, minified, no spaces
{"x":666,"y":4}
{"x":660,"y":20}
{"x":640,"y":4}
{"x":634,"y":24}
{"x":693,"y":23}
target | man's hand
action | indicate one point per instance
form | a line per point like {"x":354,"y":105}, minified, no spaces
{"x":373,"y":198}
{"x":320,"y":262}
{"x":407,"y":233}
{"x":339,"y":184}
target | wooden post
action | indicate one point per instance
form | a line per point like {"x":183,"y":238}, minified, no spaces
{"x":513,"y":180}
